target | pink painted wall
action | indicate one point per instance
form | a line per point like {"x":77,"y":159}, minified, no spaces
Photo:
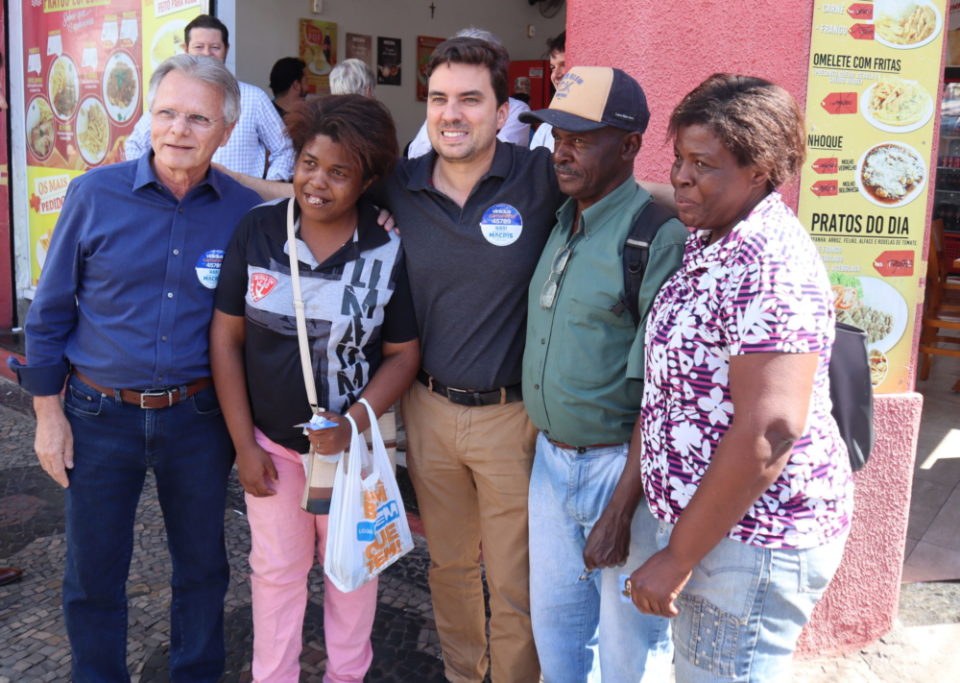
{"x":670,"y":47}
{"x":861,"y":603}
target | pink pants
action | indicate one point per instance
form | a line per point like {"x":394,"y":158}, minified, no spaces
{"x":283,"y":538}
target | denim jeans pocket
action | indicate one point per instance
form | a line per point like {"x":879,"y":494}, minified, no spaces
{"x":708,"y":636}
{"x":730,"y":576}
{"x":205,"y":402}
{"x":82,"y":400}
{"x":817,"y":566}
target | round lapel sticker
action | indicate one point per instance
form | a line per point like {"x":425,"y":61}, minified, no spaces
{"x":208,"y":267}
{"x":501,"y":225}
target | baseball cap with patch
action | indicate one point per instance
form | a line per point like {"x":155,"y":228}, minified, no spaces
{"x":591,"y":97}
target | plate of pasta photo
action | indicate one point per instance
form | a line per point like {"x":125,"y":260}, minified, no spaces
{"x":93,"y":131}
{"x":896,"y":105}
{"x":64,"y":87}
{"x":906,"y":24}
{"x":121,"y":87}
{"x":41,"y":129}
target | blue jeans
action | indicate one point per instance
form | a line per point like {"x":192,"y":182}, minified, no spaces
{"x":744,"y":607}
{"x":190,"y":452}
{"x":582,"y":625}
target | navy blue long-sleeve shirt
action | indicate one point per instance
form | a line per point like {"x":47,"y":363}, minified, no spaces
{"x":126,"y":293}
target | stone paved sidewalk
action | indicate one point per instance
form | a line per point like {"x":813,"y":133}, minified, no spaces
{"x":33,"y":644}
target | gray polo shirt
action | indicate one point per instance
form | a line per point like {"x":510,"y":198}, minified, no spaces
{"x":469,"y":268}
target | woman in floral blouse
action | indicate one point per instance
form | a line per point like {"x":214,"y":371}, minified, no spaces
{"x":741,"y":460}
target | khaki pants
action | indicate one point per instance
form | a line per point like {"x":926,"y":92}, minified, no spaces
{"x":470,"y":468}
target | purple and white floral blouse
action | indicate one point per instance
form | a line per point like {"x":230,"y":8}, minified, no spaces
{"x":761,"y":289}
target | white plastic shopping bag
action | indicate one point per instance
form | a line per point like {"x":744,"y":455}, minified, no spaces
{"x":368,"y":529}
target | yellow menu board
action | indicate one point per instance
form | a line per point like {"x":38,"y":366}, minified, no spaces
{"x":871,"y":97}
{"x":162,"y":28}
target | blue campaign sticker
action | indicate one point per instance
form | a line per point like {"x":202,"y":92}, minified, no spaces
{"x":501,"y":225}
{"x":208,"y":267}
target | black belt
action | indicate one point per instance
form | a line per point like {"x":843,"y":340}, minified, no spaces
{"x":468,"y":397}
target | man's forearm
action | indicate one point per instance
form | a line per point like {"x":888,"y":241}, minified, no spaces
{"x":629,"y":490}
{"x":267,"y":189}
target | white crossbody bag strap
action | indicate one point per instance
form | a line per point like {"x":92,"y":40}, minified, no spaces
{"x":300,"y":312}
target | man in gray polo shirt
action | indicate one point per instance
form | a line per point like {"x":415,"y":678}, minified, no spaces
{"x":582,"y":385}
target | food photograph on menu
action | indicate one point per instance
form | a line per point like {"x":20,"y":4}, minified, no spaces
{"x":906,"y":24}
{"x":897,"y":105}
{"x":891,"y":174}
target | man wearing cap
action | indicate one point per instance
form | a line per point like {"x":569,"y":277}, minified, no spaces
{"x":582,"y":386}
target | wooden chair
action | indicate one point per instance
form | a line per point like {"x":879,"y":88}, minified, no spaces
{"x":941,"y":307}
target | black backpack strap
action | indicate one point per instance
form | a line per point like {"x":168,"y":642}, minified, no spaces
{"x":636,"y":251}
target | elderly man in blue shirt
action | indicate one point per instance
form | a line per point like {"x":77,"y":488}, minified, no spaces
{"x":121,"y":315}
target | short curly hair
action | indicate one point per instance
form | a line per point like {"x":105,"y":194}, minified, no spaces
{"x":758,"y":121}
{"x":361,"y":124}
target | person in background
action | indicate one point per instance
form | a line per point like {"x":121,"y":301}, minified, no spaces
{"x":122,"y":316}
{"x":344,"y":143}
{"x":352,"y":77}
{"x":289,"y":83}
{"x":259,"y":130}
{"x":557,"y":49}
{"x":510,"y":130}
{"x":583,"y":501}
{"x":741,"y":459}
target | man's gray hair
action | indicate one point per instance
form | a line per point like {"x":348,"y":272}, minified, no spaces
{"x":352,"y":77}
{"x":479,"y":34}
{"x":202,"y":68}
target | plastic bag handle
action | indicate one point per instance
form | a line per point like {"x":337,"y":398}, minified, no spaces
{"x":374,"y":423}
{"x":348,"y":451}
{"x":356,"y":438}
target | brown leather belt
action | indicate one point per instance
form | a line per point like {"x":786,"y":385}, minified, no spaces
{"x":583,"y":449}
{"x":150,"y":400}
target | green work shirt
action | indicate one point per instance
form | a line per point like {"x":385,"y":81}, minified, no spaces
{"x":583,"y":363}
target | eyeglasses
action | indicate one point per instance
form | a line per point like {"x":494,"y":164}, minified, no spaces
{"x":193,"y":120}
{"x":549,"y":292}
